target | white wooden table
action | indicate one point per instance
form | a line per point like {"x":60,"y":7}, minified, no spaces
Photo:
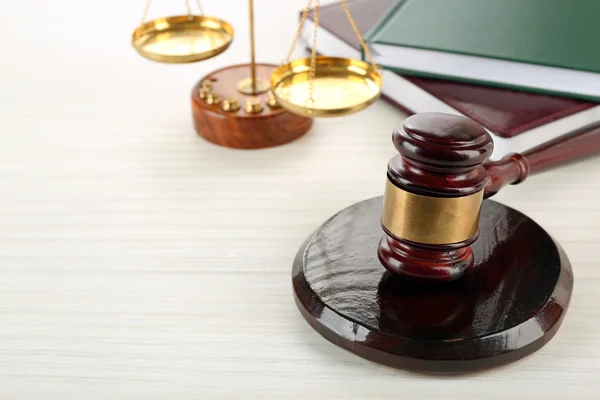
{"x":138,"y":261}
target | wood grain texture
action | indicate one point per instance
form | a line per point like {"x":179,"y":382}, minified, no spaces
{"x":140,"y":262}
{"x":440,"y":155}
{"x":577,"y":145}
{"x":444,"y":155}
{"x":510,"y":304}
{"x":515,"y":168}
{"x":239,"y":129}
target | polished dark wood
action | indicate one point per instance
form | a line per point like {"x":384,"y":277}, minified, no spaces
{"x":444,"y":155}
{"x":515,"y":168}
{"x":238,"y":129}
{"x":425,"y":262}
{"x":441,"y":155}
{"x":509,"y":305}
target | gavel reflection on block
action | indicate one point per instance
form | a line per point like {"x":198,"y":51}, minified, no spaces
{"x":434,"y":276}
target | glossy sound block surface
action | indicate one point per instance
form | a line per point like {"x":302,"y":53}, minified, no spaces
{"x":509,"y":306}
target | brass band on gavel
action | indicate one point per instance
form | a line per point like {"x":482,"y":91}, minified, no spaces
{"x":430,"y":220}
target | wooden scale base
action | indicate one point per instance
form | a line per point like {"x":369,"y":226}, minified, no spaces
{"x":227,"y":112}
{"x":508,"y":306}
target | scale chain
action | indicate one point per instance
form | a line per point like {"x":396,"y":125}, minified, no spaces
{"x":313,"y":57}
{"x":145,"y":15}
{"x":252,"y":51}
{"x":358,"y":35}
{"x":187,"y":6}
{"x":200,"y":7}
{"x":299,"y":30}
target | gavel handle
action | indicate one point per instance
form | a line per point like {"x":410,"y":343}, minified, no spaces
{"x":514,"y":168}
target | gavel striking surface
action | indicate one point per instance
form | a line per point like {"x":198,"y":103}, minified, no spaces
{"x":507,"y":306}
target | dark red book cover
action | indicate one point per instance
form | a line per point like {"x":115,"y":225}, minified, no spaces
{"x":506,"y":112}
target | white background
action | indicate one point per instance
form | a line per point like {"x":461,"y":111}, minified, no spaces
{"x":138,"y":261}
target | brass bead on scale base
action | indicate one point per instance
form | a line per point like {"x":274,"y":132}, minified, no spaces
{"x":245,"y":114}
{"x":232,"y":116}
{"x":232,"y":106}
{"x":258,"y":105}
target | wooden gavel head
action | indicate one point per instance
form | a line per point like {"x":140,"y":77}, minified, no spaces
{"x":433,"y":196}
{"x":433,"y":209}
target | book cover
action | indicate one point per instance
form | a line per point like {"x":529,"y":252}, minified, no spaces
{"x":547,"y":46}
{"x":516,"y":119}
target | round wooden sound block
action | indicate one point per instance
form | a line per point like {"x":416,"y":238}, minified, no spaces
{"x":507,"y":306}
{"x":228,"y":113}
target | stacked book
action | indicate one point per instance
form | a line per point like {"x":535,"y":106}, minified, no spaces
{"x":528,"y":72}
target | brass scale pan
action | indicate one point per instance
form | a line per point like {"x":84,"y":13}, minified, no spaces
{"x":182,"y":39}
{"x":338,"y":86}
{"x":326,"y":86}
{"x":341,"y":86}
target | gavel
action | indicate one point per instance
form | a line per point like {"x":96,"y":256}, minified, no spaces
{"x":436,"y":185}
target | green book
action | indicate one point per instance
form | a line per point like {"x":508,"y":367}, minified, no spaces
{"x":548,"y":46}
